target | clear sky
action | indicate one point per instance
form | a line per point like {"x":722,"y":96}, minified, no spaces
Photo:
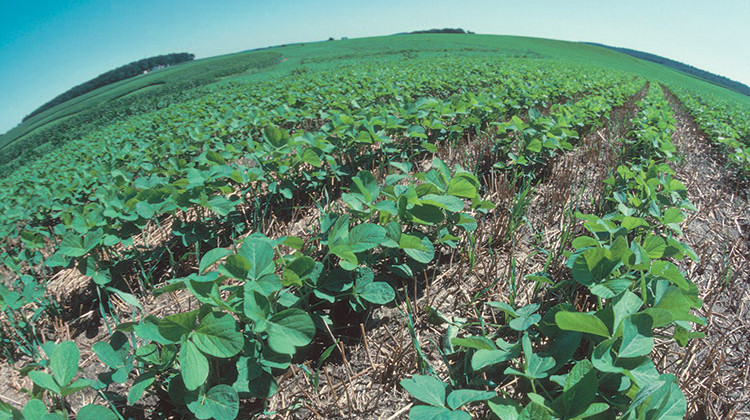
{"x":47,"y":47}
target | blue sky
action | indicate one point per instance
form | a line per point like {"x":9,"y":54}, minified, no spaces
{"x":46,"y":47}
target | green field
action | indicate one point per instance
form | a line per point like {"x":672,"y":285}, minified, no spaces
{"x":421,"y":226}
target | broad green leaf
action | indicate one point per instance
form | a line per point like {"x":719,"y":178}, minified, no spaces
{"x":211,"y":257}
{"x":655,"y":246}
{"x":585,"y":323}
{"x":80,"y":384}
{"x":534,"y":411}
{"x":637,"y":338}
{"x":670,"y":272}
{"x":419,"y":249}
{"x":237,"y":266}
{"x":34,"y":410}
{"x":447,"y":202}
{"x":173,"y":327}
{"x":461,"y":397}
{"x":44,"y":380}
{"x":424,"y":412}
{"x":139,"y":386}
{"x":289,"y":329}
{"x":144,"y":209}
{"x":64,"y":362}
{"x":365,"y":237}
{"x":193,"y":365}
{"x":366,"y":185}
{"x":426,"y":214}
{"x":95,"y":412}
{"x":379,"y":293}
{"x":476,"y":342}
{"x":218,"y":336}
{"x":504,"y":408}
{"x":626,"y":304}
{"x":460,"y":187}
{"x":76,"y":246}
{"x":221,"y":402}
{"x":580,"y":388}
{"x":427,"y":389}
{"x":259,"y":253}
{"x":602,"y":358}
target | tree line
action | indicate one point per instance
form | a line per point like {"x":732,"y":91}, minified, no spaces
{"x":685,"y":68}
{"x":121,"y":73}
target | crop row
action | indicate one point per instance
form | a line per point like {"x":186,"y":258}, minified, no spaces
{"x":725,"y":123}
{"x":269,"y":296}
{"x":569,"y":362}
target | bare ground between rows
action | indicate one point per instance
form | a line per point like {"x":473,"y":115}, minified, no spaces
{"x":714,"y":371}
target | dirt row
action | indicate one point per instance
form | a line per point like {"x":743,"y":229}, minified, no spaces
{"x":714,"y":371}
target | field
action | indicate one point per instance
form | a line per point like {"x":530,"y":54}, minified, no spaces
{"x":421,"y":226}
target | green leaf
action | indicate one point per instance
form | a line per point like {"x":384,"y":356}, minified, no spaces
{"x":64,"y":362}
{"x":426,"y":214}
{"x":534,"y":146}
{"x":654,"y":246}
{"x":126,"y":297}
{"x":476,"y":342}
{"x":366,"y":185}
{"x":309,"y":156}
{"x":44,"y":380}
{"x":193,"y":365}
{"x":76,"y":246}
{"x":34,"y":410}
{"x":447,"y":202}
{"x":211,"y":257}
{"x":139,"y":387}
{"x":423,"y":412}
{"x":585,"y":323}
{"x":534,"y":411}
{"x":237,"y":266}
{"x":289,"y":329}
{"x":637,"y":338}
{"x":420,"y":250}
{"x":218,"y":336}
{"x":579,"y":391}
{"x":221,"y":402}
{"x":626,"y":304}
{"x":365,"y":237}
{"x":95,"y":412}
{"x":461,"y":397}
{"x":144,"y":209}
{"x":259,"y":253}
{"x":483,"y":358}
{"x":80,"y":384}
{"x":378,"y":293}
{"x":427,"y":389}
{"x":669,"y":271}
{"x":461,"y":187}
{"x":173,"y":327}
{"x":504,"y":408}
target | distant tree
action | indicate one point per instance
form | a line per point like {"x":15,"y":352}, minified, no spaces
{"x":441,"y":31}
{"x":121,"y":73}
{"x":330,"y":39}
